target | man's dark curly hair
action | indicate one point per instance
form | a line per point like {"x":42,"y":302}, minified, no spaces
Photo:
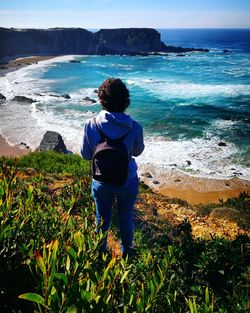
{"x":114,"y":95}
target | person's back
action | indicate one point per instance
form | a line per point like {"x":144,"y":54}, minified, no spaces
{"x":114,"y":124}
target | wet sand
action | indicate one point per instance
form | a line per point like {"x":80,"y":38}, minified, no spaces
{"x":194,"y":190}
{"x":11,"y":151}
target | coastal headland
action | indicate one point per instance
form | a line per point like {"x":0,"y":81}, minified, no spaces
{"x":79,"y":41}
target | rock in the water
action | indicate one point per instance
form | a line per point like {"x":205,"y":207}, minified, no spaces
{"x":52,"y":141}
{"x":222,"y":144}
{"x":88,"y":99}
{"x":95,"y":91}
{"x":227,"y":51}
{"x":75,"y":61}
{"x":2,"y":97}
{"x":188,"y":162}
{"x":57,"y":96}
{"x":23,"y":99}
{"x":66,"y":96}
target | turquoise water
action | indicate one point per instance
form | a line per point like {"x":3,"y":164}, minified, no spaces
{"x":187,"y":105}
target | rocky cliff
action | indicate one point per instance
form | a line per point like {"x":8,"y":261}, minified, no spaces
{"x":63,"y":41}
{"x":55,"y":41}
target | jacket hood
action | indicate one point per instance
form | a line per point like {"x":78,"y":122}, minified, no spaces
{"x":114,"y":125}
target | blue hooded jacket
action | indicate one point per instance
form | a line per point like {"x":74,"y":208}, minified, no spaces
{"x":114,"y":125}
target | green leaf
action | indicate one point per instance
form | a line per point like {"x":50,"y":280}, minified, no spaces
{"x":108,"y":298}
{"x":86,"y":295}
{"x":131,"y":299}
{"x":40,"y":262}
{"x":152,"y":287}
{"x":72,"y":309}
{"x":33,"y":297}
{"x":68,"y":263}
{"x":72,"y":252}
{"x":124,"y":276}
{"x":62,"y":277}
{"x":79,"y":239}
{"x":54,"y":251}
{"x":97,"y":298}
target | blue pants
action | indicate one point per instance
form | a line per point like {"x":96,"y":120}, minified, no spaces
{"x":104,"y":195}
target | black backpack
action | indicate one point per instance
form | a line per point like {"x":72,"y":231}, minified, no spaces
{"x":110,"y":160}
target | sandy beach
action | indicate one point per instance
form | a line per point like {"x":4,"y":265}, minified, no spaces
{"x":18,"y":63}
{"x":194,"y":190}
{"x":10,"y":151}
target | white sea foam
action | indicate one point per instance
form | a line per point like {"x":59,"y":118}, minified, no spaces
{"x":197,"y":157}
{"x":167,"y":90}
{"x":34,"y":122}
{"x":28,"y":122}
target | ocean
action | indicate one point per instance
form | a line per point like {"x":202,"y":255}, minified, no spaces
{"x":195,"y":109}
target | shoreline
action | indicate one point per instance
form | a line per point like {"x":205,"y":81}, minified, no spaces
{"x":17,"y":63}
{"x":192,"y":189}
{"x":11,"y":151}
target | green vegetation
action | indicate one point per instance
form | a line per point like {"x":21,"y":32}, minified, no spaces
{"x":51,"y":162}
{"x":50,"y":261}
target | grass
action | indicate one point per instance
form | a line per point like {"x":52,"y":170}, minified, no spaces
{"x":50,"y":261}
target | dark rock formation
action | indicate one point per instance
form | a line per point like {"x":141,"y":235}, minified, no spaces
{"x":52,"y":141}
{"x":78,"y":41}
{"x":23,"y":144}
{"x":75,"y":61}
{"x":66,"y":96}
{"x":23,"y":99}
{"x":88,"y":99}
{"x":170,"y":49}
{"x":222,"y":144}
{"x":126,"y":41}
{"x":2,"y":97}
